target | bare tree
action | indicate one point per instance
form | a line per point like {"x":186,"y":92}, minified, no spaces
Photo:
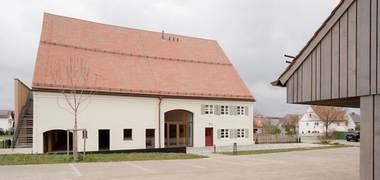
{"x":289,"y":122}
{"x":256,"y":113}
{"x":75,"y":82}
{"x":267,"y":125}
{"x":328,"y":115}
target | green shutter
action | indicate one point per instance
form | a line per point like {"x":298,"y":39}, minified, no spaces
{"x":246,"y":110}
{"x":246,"y":133}
{"x":231,"y":133}
{"x":203,"y":109}
{"x":235,"y":110}
{"x":231,"y":110}
{"x":235,"y":133}
{"x":216,"y":110}
{"x":219,"y":134}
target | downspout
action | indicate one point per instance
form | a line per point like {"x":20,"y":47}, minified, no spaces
{"x":159,"y":122}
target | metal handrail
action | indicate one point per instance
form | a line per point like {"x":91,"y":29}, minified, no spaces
{"x":24,"y":111}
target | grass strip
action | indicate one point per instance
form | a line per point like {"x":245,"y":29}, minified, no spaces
{"x":23,"y":159}
{"x":266,"y":151}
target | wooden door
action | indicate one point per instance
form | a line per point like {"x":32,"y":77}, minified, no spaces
{"x":209,"y":136}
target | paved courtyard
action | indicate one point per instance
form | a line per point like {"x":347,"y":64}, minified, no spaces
{"x":329,"y":164}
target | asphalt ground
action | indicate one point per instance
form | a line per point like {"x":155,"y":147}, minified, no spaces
{"x":340,"y":163}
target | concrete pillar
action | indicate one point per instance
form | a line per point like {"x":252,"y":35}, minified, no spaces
{"x":370,"y":137}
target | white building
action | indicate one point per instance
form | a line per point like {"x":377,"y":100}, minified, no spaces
{"x":154,"y":90}
{"x":5,"y":120}
{"x":310,"y":123}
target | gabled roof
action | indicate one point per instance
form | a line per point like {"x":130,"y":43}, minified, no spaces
{"x":256,"y":123}
{"x":308,"y":45}
{"x":330,"y":112}
{"x":5,"y":113}
{"x":355,"y":117}
{"x":138,"y":62}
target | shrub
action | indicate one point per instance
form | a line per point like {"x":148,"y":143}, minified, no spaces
{"x":327,"y":139}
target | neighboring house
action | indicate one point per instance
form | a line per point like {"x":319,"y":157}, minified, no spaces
{"x":355,"y":117}
{"x":290,"y":117}
{"x":257,"y":126}
{"x":5,"y":120}
{"x":155,"y":90}
{"x":309,"y":124}
{"x":273,"y":121}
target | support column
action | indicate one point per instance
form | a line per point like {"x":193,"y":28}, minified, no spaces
{"x":370,"y":137}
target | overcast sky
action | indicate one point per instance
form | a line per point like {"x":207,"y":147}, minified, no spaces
{"x":254,"y":34}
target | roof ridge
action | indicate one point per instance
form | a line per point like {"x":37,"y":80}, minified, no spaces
{"x":126,"y":27}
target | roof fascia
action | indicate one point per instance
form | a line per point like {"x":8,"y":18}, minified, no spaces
{"x":329,"y":24}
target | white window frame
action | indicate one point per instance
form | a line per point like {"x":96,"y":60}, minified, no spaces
{"x":209,"y":109}
{"x":224,"y":133}
{"x":240,"y":110}
{"x":240,"y":133}
{"x":224,"y":110}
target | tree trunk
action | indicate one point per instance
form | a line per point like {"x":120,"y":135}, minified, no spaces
{"x":75,"y":140}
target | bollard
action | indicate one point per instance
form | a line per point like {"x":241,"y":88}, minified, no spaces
{"x":214,"y":148}
{"x":235,"y":149}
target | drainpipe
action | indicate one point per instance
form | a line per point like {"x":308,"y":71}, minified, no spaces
{"x":159,"y":122}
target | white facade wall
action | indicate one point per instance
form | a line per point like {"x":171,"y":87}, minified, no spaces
{"x":6,"y":123}
{"x":137,"y":113}
{"x":309,"y":122}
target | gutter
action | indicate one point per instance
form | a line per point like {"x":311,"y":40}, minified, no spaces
{"x":159,"y":122}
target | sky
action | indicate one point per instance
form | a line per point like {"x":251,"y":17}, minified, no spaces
{"x":254,"y":34}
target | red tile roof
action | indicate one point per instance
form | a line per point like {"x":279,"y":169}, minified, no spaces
{"x":330,"y":112}
{"x":256,"y":123}
{"x":133,"y":61}
{"x":312,"y":38}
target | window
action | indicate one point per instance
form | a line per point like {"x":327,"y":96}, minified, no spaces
{"x":240,"y":110}
{"x":84,"y":134}
{"x":316,"y":123}
{"x":308,"y":131}
{"x":302,"y":132}
{"x":224,"y":110}
{"x":224,"y":133}
{"x":310,"y":115}
{"x":127,"y":134}
{"x":240,"y":133}
{"x":209,"y":109}
{"x":307,"y":124}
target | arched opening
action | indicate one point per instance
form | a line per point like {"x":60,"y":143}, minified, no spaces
{"x":56,"y":140}
{"x":178,"y":128}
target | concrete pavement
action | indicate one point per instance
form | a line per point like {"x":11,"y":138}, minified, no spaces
{"x":342,"y":163}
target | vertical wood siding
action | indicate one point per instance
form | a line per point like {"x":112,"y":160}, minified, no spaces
{"x":363,"y":47}
{"x":343,"y":55}
{"x":326,"y":67}
{"x":345,"y":63}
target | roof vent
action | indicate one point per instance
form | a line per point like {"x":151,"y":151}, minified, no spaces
{"x":163,"y":37}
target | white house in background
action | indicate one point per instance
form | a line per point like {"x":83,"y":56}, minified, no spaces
{"x":154,"y":90}
{"x":5,"y":120}
{"x":309,"y":124}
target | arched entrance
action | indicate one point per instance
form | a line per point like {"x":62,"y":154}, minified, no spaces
{"x":178,"y":128}
{"x":56,"y":140}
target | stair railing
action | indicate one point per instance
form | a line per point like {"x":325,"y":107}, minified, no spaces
{"x":24,"y":111}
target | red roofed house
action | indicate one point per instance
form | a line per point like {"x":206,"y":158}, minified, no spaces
{"x":5,"y":120}
{"x":257,"y":126}
{"x":155,"y":90}
{"x":290,"y":119}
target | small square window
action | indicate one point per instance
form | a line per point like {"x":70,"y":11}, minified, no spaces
{"x":127,"y":134}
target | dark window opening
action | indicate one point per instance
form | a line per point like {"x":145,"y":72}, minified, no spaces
{"x":127,"y":134}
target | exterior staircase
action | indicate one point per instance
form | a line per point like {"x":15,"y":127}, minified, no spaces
{"x":23,"y":135}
